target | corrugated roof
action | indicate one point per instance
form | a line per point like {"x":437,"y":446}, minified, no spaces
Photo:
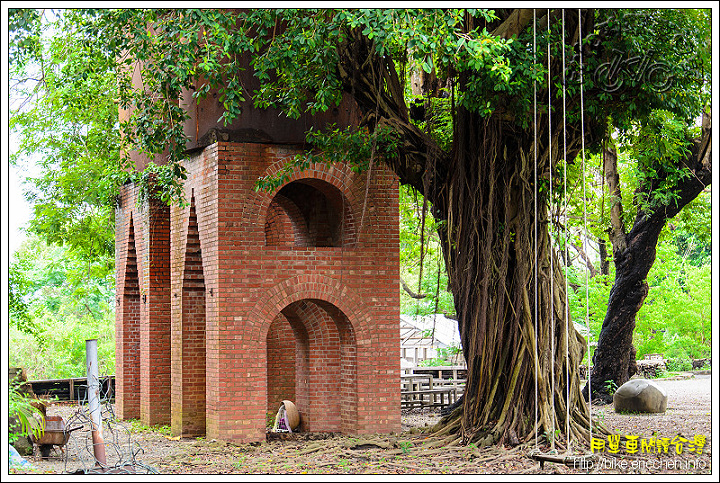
{"x":418,"y":331}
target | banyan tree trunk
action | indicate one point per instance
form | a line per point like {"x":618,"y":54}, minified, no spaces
{"x":517,"y":361}
{"x":483,"y":196}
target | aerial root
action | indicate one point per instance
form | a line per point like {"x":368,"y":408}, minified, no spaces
{"x":445,"y":427}
{"x":452,"y":440}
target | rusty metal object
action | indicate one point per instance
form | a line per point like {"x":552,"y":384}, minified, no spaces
{"x":254,"y":125}
{"x":55,"y":434}
{"x":203,"y":126}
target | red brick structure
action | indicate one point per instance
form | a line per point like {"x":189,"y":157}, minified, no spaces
{"x":244,"y":298}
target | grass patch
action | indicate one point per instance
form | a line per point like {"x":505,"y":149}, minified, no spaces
{"x":137,"y":426}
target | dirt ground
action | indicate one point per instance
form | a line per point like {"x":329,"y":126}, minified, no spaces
{"x":685,"y":423}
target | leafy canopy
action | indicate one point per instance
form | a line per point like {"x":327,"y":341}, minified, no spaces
{"x":636,"y":61}
{"x":65,"y":119}
{"x":295,"y":56}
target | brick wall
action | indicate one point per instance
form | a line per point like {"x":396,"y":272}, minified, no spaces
{"x":194,"y":299}
{"x":127,"y":328}
{"x":189,"y":362}
{"x":282,"y":346}
{"x":142,"y":316}
{"x":155,"y":316}
{"x":303,"y":286}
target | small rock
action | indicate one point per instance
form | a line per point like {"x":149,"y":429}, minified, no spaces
{"x":640,"y":396}
{"x":24,"y":446}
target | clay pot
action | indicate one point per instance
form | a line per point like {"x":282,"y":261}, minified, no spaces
{"x":293,"y":416}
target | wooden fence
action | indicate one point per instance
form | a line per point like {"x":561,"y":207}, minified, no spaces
{"x":432,"y":386}
{"x":72,"y":389}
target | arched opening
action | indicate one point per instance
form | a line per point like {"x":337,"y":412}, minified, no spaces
{"x":309,"y":213}
{"x":190,"y":421}
{"x":128,"y":357}
{"x":311,"y":360}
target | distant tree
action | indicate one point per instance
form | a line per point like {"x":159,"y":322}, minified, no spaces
{"x":66,"y":300}
{"x":673,"y":168}
{"x":424,"y":279}
{"x":676,"y":318}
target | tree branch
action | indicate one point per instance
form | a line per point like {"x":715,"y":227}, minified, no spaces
{"x":588,"y":263}
{"x":699,"y":162}
{"x":515,"y":23}
{"x":409,"y":291}
{"x":385,"y":95}
{"x":618,"y":237}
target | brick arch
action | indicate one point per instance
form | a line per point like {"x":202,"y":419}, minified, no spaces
{"x":285,"y":224}
{"x":339,"y":176}
{"x":318,"y":357}
{"x":313,"y":287}
{"x":309,"y":212}
{"x":320,"y":314}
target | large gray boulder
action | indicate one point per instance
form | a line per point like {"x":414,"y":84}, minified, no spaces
{"x":640,"y":396}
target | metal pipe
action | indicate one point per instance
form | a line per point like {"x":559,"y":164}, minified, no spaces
{"x":93,"y":381}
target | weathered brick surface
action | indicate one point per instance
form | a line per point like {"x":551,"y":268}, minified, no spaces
{"x":142,"y":355}
{"x":299,"y":296}
{"x":127,"y":324}
{"x":283,"y":341}
{"x":188,"y":355}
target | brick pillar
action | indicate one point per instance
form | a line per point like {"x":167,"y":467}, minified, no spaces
{"x":127,"y":324}
{"x":155,"y":380}
{"x":189,"y":342}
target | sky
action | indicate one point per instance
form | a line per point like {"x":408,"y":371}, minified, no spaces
{"x":17,"y":210}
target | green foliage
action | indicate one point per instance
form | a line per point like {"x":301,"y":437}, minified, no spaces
{"x":24,"y":27}
{"x":675,"y":364}
{"x":690,"y":231}
{"x":138,"y":426}
{"x":187,"y":53}
{"x":438,"y":121}
{"x":445,"y":356}
{"x":611,"y":387}
{"x":67,"y":301}
{"x":658,"y":147}
{"x":64,"y":113}
{"x":405,"y":446}
{"x":19,"y":286}
{"x":413,"y":240}
{"x":162,"y":182}
{"x":64,"y":117}
{"x":598,"y":291}
{"x":354,"y":147}
{"x":676,"y":317}
{"x":654,"y":59}
{"x":31,"y":419}
{"x":437,"y":40}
